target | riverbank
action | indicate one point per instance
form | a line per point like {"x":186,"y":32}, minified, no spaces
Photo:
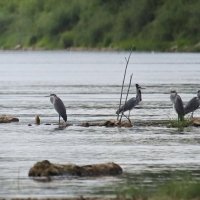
{"x":154,"y":26}
{"x":170,"y":49}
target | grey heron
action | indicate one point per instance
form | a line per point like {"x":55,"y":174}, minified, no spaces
{"x":131,"y":103}
{"x":59,"y":106}
{"x":178,"y":104}
{"x":193,"y":104}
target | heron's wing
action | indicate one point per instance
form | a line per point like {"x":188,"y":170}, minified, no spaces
{"x":128,"y":105}
{"x":178,"y":105}
{"x":192,"y":105}
{"x":60,"y":108}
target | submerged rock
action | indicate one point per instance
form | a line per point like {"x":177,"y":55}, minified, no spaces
{"x":108,"y":123}
{"x":46,"y":168}
{"x":8,"y":119}
{"x":125,"y":123}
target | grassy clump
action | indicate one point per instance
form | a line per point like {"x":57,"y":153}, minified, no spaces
{"x":179,"y":124}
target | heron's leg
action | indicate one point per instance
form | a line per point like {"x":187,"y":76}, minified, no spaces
{"x":129,"y":113}
{"x":180,"y":118}
{"x":192,"y":115}
{"x":127,"y":118}
{"x":124,"y":115}
{"x":59,"y":119}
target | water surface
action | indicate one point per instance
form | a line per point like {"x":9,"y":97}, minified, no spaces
{"x":89,"y":84}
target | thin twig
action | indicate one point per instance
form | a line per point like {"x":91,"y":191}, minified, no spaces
{"x":126,"y":97}
{"x":127,"y":62}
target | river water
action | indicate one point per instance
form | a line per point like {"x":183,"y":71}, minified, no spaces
{"x":89,"y":84}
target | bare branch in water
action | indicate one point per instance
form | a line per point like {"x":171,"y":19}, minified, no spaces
{"x":126,"y":98}
{"x":127,"y":62}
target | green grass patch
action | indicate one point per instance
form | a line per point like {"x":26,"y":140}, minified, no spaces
{"x":179,"y":124}
{"x":148,"y":185}
{"x":184,"y":190}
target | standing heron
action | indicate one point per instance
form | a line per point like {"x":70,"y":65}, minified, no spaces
{"x":59,"y":107}
{"x":131,"y":103}
{"x":178,"y":104}
{"x":193,"y":104}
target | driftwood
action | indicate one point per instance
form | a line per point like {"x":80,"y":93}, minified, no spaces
{"x":108,"y":123}
{"x":127,"y":124}
{"x":46,"y":169}
{"x":8,"y":119}
{"x":156,"y":123}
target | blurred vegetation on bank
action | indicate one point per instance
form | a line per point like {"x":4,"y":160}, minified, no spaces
{"x":145,"y":25}
{"x":174,"y":190}
{"x":155,"y":185}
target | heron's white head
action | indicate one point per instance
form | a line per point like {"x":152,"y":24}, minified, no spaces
{"x":173,"y":95}
{"x":52,"y":95}
{"x":52,"y":98}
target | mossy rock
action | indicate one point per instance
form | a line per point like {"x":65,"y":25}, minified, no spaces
{"x":46,"y":169}
{"x":8,"y":119}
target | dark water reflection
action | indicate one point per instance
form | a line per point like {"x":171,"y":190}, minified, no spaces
{"x":89,"y":85}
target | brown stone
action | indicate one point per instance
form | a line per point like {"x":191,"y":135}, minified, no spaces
{"x":8,"y":119}
{"x":37,"y":119}
{"x":46,"y":168}
{"x":196,"y":121}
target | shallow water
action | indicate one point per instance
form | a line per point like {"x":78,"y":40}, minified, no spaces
{"x":89,"y":84}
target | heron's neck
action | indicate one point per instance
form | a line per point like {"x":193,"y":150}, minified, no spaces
{"x":173,"y":97}
{"x":52,"y":99}
{"x":139,"y":95}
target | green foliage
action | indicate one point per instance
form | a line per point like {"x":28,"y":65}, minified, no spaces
{"x":146,"y":24}
{"x":67,"y":39}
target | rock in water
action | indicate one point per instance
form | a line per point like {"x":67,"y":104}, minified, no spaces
{"x":46,"y":168}
{"x":108,"y":123}
{"x":196,"y":121}
{"x":8,"y":119}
